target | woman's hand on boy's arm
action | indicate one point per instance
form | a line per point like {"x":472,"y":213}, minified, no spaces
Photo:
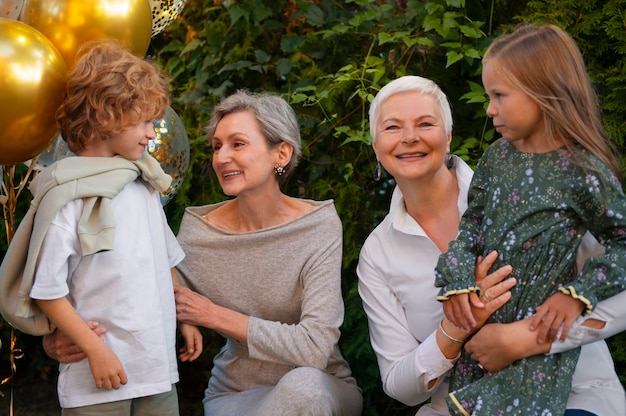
{"x":60,"y":348}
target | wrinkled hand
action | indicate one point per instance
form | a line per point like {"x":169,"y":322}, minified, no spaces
{"x":470,"y":312}
{"x":496,"y":346}
{"x":559,"y":310}
{"x":494,"y":291}
{"x":193,"y":342}
{"x":59,"y":347}
{"x":191,"y":307}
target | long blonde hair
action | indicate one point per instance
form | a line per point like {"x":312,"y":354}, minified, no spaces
{"x":545,"y":63}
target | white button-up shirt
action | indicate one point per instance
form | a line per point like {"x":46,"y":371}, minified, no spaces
{"x":396,"y":284}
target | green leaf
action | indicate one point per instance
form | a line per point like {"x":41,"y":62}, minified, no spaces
{"x":235,"y":66}
{"x":471,"y":32}
{"x":236,"y":12}
{"x":283,"y":66}
{"x":192,"y":46}
{"x":384,"y":37}
{"x":262,"y":56}
{"x":314,"y":16}
{"x":453,"y":57}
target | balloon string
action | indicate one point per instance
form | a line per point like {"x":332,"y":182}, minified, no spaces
{"x":8,"y":200}
{"x":10,"y":195}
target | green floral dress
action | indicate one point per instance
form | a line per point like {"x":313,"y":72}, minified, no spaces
{"x":533,"y":208}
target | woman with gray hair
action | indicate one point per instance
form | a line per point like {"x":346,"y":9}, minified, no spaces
{"x":416,"y":346}
{"x":263,"y":270}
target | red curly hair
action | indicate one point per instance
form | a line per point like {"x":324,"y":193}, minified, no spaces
{"x":109,"y":89}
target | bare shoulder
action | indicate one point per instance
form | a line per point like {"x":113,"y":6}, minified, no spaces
{"x":300,"y":206}
{"x":222,"y":216}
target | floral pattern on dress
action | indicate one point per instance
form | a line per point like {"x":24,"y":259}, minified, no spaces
{"x":534,"y":208}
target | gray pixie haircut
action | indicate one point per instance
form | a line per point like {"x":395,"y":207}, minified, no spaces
{"x":277,"y":119}
{"x":410,"y":83}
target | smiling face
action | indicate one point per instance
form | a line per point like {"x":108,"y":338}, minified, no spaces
{"x":242,"y":158}
{"x":411,"y":142}
{"x":130,"y":143}
{"x":515,"y":115}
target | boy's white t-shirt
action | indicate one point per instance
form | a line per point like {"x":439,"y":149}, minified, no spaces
{"x":128,"y":290}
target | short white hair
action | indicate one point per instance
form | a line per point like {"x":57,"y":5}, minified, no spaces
{"x":410,"y":83}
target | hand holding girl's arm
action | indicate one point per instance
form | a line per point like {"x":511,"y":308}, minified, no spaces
{"x":469,"y":311}
{"x":458,"y":311}
{"x":496,"y":346}
{"x":495,"y":293}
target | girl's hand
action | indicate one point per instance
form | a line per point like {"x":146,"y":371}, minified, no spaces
{"x":560,"y":310}
{"x":458,"y":311}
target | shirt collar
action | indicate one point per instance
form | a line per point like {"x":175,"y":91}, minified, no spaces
{"x":400,"y":219}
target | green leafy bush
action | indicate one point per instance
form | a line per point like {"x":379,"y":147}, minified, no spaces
{"x":328,"y":59}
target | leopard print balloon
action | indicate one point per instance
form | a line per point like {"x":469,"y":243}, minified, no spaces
{"x":164,"y":12}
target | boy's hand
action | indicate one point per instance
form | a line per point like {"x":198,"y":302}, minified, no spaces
{"x":560,"y":310}
{"x":107,"y":370}
{"x":193,"y":342}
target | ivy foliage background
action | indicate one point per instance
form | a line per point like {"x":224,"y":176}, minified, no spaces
{"x":328,"y":58}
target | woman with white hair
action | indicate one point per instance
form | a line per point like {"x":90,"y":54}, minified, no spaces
{"x":416,"y":346}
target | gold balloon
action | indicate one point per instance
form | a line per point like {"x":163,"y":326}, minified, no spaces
{"x":32,"y":82}
{"x":71,"y":23}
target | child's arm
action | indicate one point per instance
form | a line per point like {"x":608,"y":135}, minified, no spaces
{"x":560,"y":310}
{"x":454,"y":273}
{"x":467,"y":310}
{"x":106,"y":368}
{"x":458,"y":310}
{"x":60,"y":348}
{"x":191,"y":334}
